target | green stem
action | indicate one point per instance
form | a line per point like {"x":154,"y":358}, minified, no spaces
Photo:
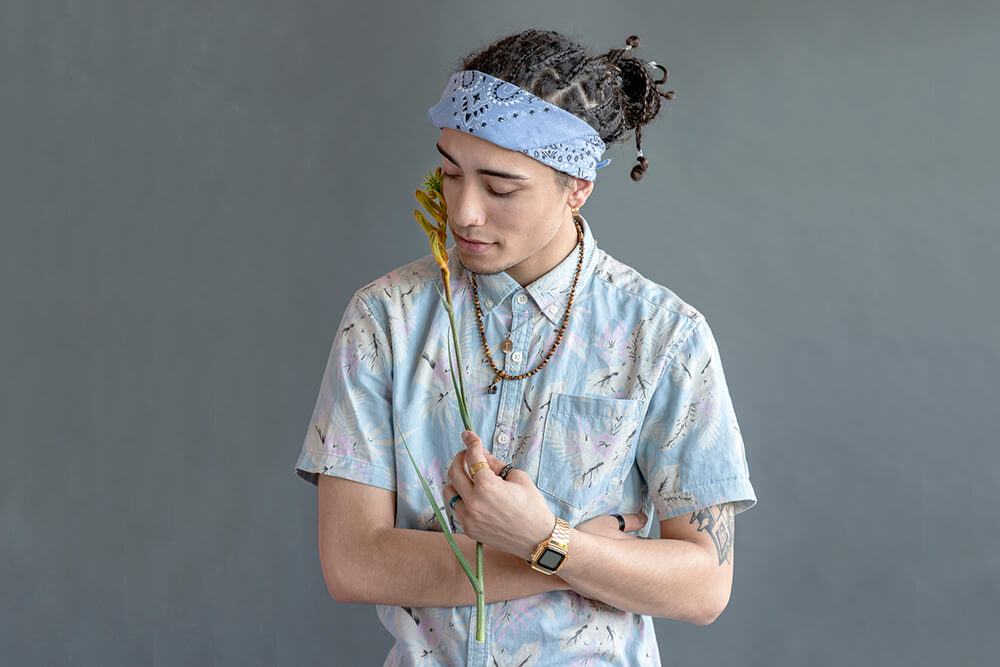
{"x":480,"y":595}
{"x":479,"y":582}
{"x":467,"y":420}
{"x":458,"y":389}
{"x":475,"y":578}
{"x":463,"y":405}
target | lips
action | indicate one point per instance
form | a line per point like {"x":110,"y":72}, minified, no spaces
{"x":470,"y":240}
{"x":472,"y":246}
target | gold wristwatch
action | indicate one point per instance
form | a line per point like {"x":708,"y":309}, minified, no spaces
{"x":551,"y":553}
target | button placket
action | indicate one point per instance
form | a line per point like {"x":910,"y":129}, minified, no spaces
{"x":512,"y":390}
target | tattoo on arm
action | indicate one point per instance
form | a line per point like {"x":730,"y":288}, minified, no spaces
{"x":717,"y":521}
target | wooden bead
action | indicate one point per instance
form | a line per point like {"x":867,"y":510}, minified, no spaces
{"x":569,"y":306}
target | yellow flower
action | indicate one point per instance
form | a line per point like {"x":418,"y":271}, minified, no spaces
{"x":432,"y":183}
{"x":432,"y":199}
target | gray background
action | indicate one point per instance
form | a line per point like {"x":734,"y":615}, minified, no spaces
{"x":190,"y":192}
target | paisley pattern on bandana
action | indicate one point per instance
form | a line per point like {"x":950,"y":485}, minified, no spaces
{"x":632,"y":414}
{"x":513,"y":118}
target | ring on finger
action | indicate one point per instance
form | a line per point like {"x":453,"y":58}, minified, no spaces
{"x":454,"y":500}
{"x":477,"y":467}
{"x":506,"y":470}
{"x":621,"y":522}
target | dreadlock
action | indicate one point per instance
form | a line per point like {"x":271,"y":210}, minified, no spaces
{"x":613,"y":92}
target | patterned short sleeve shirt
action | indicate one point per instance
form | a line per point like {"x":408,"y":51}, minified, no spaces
{"x":631,"y":414}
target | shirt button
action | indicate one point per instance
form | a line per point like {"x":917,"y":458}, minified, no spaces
{"x":515,"y":357}
{"x":489,"y":303}
{"x":522,"y":299}
{"x":503,"y":438}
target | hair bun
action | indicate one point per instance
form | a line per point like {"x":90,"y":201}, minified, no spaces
{"x":641,"y":95}
{"x":615,"y":92}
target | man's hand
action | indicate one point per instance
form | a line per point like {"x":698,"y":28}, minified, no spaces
{"x":606,"y":525}
{"x":510,"y":515}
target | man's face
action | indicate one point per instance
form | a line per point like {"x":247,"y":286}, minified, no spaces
{"x":506,"y":210}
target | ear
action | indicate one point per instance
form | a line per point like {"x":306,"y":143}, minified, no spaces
{"x":581,"y":190}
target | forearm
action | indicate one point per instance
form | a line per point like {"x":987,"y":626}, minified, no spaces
{"x":417,"y":568}
{"x":667,"y":578}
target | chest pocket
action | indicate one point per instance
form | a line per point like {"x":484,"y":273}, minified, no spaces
{"x":587,"y":442}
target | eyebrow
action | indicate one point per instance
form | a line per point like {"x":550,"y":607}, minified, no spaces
{"x":485,"y":172}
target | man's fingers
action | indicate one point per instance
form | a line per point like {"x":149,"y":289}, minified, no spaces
{"x":496,"y":465}
{"x":518,"y":476}
{"x":634,"y":522}
{"x":475,"y":452}
{"x":459,"y":474}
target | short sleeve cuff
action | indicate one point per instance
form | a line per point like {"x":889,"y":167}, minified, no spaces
{"x":312,"y":464}
{"x":737,"y":490}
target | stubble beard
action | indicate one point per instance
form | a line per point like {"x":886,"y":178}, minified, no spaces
{"x":492,"y":270}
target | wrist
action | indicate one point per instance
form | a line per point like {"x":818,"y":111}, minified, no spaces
{"x":538,"y":538}
{"x":551,"y":553}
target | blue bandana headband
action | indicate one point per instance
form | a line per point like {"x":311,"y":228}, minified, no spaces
{"x":511,"y":117}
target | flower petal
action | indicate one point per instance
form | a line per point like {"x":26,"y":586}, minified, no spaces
{"x":430,"y":229}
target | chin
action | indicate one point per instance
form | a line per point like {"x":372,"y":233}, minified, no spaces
{"x":481,"y":266}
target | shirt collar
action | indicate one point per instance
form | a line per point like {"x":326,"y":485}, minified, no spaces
{"x":550,"y":291}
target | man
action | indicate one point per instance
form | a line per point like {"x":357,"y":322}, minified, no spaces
{"x":603,"y":390}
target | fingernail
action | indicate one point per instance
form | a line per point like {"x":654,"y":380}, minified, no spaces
{"x":466,"y":437}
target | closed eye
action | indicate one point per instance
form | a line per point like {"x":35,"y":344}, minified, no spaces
{"x":488,"y":188}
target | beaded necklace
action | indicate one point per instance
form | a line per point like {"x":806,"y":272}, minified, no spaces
{"x":507,"y":345}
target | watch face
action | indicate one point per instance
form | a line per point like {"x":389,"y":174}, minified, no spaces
{"x":550,"y":559}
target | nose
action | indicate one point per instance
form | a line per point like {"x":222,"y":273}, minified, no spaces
{"x":465,"y":206}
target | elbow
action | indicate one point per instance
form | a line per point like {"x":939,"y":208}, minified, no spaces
{"x":708,"y":615}
{"x":345,"y":574}
{"x":341,"y":583}
{"x":712,"y":606}
{"x":338,"y":588}
{"x":340,"y":594}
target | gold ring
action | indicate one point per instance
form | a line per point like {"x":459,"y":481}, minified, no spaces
{"x":477,"y":467}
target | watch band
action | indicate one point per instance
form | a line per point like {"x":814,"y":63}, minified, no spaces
{"x":556,"y":546}
{"x":560,"y":533}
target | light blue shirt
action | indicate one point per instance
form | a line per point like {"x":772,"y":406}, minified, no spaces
{"x":632,"y":413}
